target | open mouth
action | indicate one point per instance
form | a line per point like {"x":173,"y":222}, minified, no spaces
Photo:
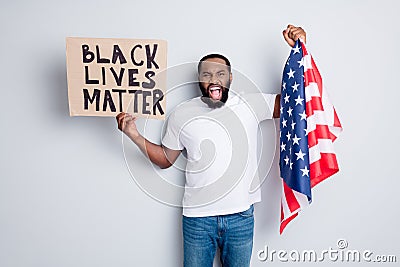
{"x":215,"y":91}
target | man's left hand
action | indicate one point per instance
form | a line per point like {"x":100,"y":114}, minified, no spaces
{"x":292,"y":33}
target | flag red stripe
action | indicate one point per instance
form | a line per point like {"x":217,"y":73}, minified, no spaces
{"x":314,"y":104}
{"x":311,"y":77}
{"x":286,"y":221}
{"x":291,"y":200}
{"x":336,"y":122}
{"x":320,"y":132}
{"x":323,"y":168}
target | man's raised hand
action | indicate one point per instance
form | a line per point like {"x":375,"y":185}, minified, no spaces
{"x":292,"y":33}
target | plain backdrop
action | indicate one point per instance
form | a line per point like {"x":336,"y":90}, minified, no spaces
{"x":67,"y":196}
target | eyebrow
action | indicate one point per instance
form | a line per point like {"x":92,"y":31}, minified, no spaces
{"x":207,"y":72}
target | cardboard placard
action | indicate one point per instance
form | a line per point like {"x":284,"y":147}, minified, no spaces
{"x":109,"y":76}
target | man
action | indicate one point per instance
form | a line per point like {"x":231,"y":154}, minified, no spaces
{"x":218,"y":133}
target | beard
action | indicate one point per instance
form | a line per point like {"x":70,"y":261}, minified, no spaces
{"x":214,"y":103}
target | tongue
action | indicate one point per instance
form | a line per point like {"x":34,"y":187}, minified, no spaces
{"x":214,"y":94}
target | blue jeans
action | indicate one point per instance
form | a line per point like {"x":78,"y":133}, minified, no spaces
{"x":232,"y":234}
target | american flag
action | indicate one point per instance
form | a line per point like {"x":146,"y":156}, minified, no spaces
{"x":308,"y":126}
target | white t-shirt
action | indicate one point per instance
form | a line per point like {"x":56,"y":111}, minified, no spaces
{"x":221,"y":152}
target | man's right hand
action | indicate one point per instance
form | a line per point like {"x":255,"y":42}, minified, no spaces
{"x":126,"y":124}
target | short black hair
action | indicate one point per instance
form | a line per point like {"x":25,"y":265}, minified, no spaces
{"x":227,"y":62}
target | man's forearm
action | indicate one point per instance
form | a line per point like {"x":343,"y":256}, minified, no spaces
{"x":153,"y":151}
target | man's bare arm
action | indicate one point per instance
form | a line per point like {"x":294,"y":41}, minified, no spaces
{"x":159,"y":155}
{"x":277,"y":106}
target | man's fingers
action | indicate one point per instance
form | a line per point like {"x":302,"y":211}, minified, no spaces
{"x":295,"y":33}
{"x":119,"y":118}
{"x":123,"y":119}
{"x":289,"y":26}
{"x":287,"y":37}
{"x":286,"y":34}
{"x":120,"y":115}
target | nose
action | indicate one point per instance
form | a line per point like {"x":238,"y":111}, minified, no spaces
{"x":214,"y":79}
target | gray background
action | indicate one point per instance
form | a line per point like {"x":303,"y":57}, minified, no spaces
{"x":66,"y":195}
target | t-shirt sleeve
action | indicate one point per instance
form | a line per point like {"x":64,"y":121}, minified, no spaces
{"x":171,"y":138}
{"x":262,"y":104}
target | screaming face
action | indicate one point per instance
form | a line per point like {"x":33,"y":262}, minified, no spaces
{"x":214,"y":80}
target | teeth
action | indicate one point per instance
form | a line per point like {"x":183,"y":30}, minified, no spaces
{"x":215,"y":88}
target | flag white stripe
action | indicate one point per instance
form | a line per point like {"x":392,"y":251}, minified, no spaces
{"x":311,"y":90}
{"x":284,"y":204}
{"x":320,"y":117}
{"x":301,"y":199}
{"x":323,"y":146}
{"x":307,"y":62}
{"x":335,"y":130}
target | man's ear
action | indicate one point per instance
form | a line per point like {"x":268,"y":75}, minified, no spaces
{"x":230,"y":77}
